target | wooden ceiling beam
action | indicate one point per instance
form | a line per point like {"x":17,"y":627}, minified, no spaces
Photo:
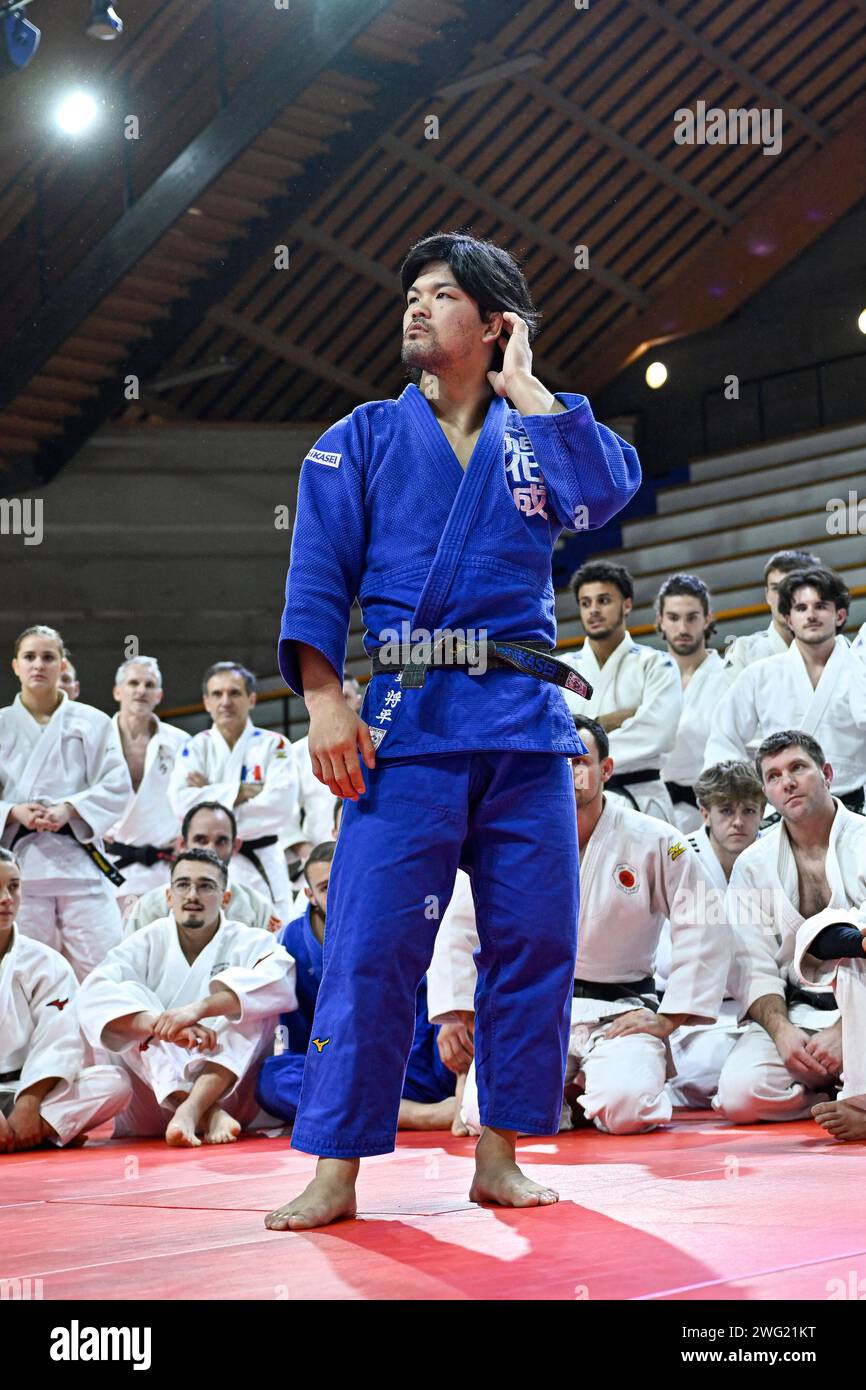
{"x":718,"y":58}
{"x":535,"y":233}
{"x":281,"y":346}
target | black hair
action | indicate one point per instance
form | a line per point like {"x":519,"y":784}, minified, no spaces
{"x":602,"y":742}
{"x":829,"y":586}
{"x":321,"y":854}
{"x":603,"y":572}
{"x":787,"y":560}
{"x":788,"y":738}
{"x":200,"y":856}
{"x":208,"y":806}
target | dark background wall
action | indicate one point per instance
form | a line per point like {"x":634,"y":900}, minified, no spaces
{"x":806,"y":315}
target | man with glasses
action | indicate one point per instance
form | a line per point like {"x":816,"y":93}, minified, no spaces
{"x":188,"y":1006}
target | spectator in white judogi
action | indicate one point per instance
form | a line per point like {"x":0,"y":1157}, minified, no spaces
{"x":63,"y":783}
{"x":142,"y":841}
{"x":859,"y":643}
{"x":250,"y":769}
{"x":831,"y":954}
{"x":48,"y":1095}
{"x":685,"y":620}
{"x":637,"y":697}
{"x":188,"y":1006}
{"x":790,"y":1057}
{"x":731,"y":800}
{"x":314,"y":824}
{"x":212,"y":827}
{"x":775,"y":639}
{"x":816,"y":686}
{"x":636,"y":872}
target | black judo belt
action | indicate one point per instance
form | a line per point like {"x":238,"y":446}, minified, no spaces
{"x":248,"y":850}
{"x":99,"y":859}
{"x":124,"y":855}
{"x":678,"y":792}
{"x":7,"y":1076}
{"x":630,"y":989}
{"x":529,"y":658}
{"x":622,"y":781}
{"x":824,"y":1000}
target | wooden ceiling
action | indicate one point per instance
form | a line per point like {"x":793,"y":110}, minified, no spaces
{"x":305,"y":128}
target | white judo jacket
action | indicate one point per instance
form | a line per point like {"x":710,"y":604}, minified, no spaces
{"x":39,"y":1032}
{"x":636,"y":872}
{"x":701,"y":698}
{"x":754,"y":646}
{"x":763,"y":908}
{"x":633,"y":677}
{"x":149,"y":817}
{"x":777,"y":694}
{"x":75,"y":757}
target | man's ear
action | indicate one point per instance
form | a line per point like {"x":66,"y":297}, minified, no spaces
{"x":627,"y":605}
{"x":606,"y":769}
{"x":227,"y":897}
{"x":492,"y":327}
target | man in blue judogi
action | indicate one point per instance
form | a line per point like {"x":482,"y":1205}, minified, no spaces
{"x":439,"y":511}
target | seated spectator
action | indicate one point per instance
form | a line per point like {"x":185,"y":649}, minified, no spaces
{"x":730,"y":799}
{"x":635,"y":873}
{"x":148,"y":1001}
{"x":637,"y":697}
{"x":685,"y":621}
{"x":428,"y":1089}
{"x":775,"y":639}
{"x":48,"y":1095}
{"x":212,"y":827}
{"x":816,"y":684}
{"x":790,"y":1056}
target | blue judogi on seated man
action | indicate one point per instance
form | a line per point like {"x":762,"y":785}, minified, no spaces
{"x":440,"y":511}
{"x":428,"y":1088}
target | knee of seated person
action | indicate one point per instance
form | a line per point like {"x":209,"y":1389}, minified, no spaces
{"x":627,"y":1112}
{"x":738,"y":1099}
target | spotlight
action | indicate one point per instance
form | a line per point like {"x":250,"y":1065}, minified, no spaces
{"x":76,"y":112}
{"x":656,"y":375}
{"x":19,"y":40}
{"x":861,"y":322}
{"x":104,"y":22}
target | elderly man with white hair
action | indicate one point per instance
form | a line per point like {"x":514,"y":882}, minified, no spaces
{"x":142,"y":840}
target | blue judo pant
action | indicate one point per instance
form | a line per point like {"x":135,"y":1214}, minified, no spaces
{"x":509,"y":820}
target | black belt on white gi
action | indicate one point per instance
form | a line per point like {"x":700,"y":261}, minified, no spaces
{"x":123,"y":855}
{"x":824,"y":1000}
{"x":248,"y":850}
{"x":6,"y":1076}
{"x":99,"y":859}
{"x":529,"y":658}
{"x":677,"y":791}
{"x":592,"y":989}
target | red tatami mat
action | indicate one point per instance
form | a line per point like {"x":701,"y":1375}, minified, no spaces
{"x":699,"y":1210}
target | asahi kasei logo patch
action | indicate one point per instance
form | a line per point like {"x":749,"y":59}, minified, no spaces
{"x":320,"y":456}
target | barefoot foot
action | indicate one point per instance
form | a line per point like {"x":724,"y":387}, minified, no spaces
{"x":498,"y":1178}
{"x":220,"y":1128}
{"x":180,"y":1132}
{"x":841,"y":1120}
{"x":326,"y":1199}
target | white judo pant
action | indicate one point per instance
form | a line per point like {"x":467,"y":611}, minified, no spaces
{"x":82,"y":923}
{"x":850,"y":991}
{"x":162,"y":1069}
{"x":622,"y":1081}
{"x":74,"y":1107}
{"x":699,"y":1053}
{"x":755,"y":1085}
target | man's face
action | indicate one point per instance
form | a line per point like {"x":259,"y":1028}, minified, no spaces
{"x":589,"y":773}
{"x":683,"y":624}
{"x":10,"y":894}
{"x":795,"y":786}
{"x":441,"y":323}
{"x":316,"y":889}
{"x":69,"y":681}
{"x":602,"y":609}
{"x":211,"y":830}
{"x":734,"y":825}
{"x":139,"y":692}
{"x":38,"y":664}
{"x":227,"y":701}
{"x":196,"y":894}
{"x":814,"y":619}
{"x":771,"y":590}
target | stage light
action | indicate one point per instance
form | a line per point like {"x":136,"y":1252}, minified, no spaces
{"x":18,"y":42}
{"x":861,"y":322}
{"x":104,"y":22}
{"x":656,"y":375}
{"x":76,"y":112}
